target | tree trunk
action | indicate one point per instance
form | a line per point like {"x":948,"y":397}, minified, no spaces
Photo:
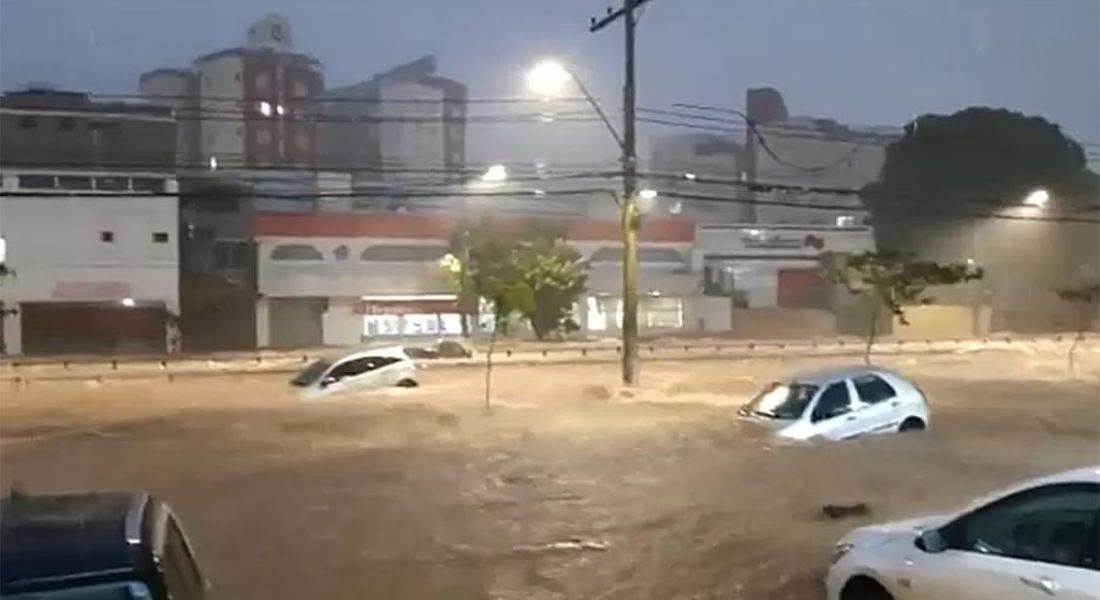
{"x":489,"y":365}
{"x":871,"y":333}
{"x":1073,"y":348}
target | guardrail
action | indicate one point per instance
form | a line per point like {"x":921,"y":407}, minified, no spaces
{"x":174,"y":367}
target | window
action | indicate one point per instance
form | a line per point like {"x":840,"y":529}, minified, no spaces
{"x":28,"y":122}
{"x":107,"y":237}
{"x":872,"y":389}
{"x":645,"y":255}
{"x":112,"y":184}
{"x":358,"y":366}
{"x":398,"y":253}
{"x":341,"y":252}
{"x":783,"y":401}
{"x":834,"y":401}
{"x":181,"y":575}
{"x":148,"y":184}
{"x":296,"y":252}
{"x":160,"y":237}
{"x":66,"y":124}
{"x":73,"y":182}
{"x":1052,"y":524}
{"x":37,"y":182}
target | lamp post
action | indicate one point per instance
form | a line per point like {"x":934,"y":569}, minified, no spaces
{"x":548,"y":79}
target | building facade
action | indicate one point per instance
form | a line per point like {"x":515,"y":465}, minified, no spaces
{"x":339,"y":279}
{"x":89,"y":219}
{"x":94,"y":266}
{"x":402,"y":126}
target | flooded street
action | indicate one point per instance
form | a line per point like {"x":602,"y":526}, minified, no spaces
{"x":569,"y":489}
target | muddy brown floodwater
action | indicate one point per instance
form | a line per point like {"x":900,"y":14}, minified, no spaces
{"x":570,"y":489}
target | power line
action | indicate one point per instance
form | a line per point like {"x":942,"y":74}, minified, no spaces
{"x":336,"y":99}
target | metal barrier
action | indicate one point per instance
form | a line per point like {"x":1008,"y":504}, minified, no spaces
{"x":22,"y":372}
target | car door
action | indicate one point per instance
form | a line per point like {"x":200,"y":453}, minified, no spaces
{"x":881,"y":409}
{"x":1041,"y":543}
{"x":834,"y":415}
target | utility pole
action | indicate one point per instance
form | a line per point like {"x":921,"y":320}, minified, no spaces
{"x":628,"y":203}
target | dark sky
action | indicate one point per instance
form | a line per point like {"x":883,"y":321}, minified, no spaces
{"x":868,"y":62}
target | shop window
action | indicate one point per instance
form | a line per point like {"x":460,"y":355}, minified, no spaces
{"x":403,"y":253}
{"x":296,"y":252}
{"x":613,"y":254}
{"x":74,"y":182}
{"x":37,"y":182}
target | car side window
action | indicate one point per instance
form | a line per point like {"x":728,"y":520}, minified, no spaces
{"x":834,"y":401}
{"x":352,"y":368}
{"x":873,"y":389}
{"x":1051,"y":524}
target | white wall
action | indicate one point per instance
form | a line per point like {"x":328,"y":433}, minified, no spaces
{"x":52,"y":239}
{"x":342,"y":325}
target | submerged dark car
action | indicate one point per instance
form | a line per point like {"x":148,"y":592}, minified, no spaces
{"x":95,"y":546}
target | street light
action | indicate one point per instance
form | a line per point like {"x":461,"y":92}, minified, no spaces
{"x":549,"y":79}
{"x":495,"y":174}
{"x":1037,"y":198}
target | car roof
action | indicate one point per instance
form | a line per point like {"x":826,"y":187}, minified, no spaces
{"x":392,"y":351}
{"x":1078,"y":475}
{"x":830,"y":374}
{"x":44,"y":537}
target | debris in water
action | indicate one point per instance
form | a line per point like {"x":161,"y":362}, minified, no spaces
{"x":572,"y":544}
{"x":841,"y":511}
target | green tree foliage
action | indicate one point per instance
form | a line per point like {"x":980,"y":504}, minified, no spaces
{"x":973,"y":162}
{"x":891,"y":281}
{"x":557,"y":276}
{"x":1086,"y":299}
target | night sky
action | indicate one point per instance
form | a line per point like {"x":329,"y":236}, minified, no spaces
{"x":866,"y":62}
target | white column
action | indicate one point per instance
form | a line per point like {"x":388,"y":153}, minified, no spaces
{"x":13,"y":330}
{"x":263,"y":323}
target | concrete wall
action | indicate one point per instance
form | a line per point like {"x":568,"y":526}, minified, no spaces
{"x":342,"y":325}
{"x":943,"y":322}
{"x":782,"y":323}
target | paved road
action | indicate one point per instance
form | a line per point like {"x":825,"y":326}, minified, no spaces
{"x":569,"y":490}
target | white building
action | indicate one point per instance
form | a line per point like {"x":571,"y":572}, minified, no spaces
{"x":94,"y":257}
{"x":339,"y":279}
{"x":805,"y":158}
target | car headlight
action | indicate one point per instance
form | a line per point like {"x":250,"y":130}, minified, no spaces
{"x":841,"y":549}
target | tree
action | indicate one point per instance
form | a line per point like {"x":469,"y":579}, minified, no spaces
{"x":491,"y":270}
{"x":891,"y":281}
{"x":971,"y":162}
{"x":1086,"y":299}
{"x":557,"y":276}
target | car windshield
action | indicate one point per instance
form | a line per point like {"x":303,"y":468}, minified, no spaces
{"x":311,"y":373}
{"x":783,"y":400}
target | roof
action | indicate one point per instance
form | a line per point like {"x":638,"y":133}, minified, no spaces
{"x":830,"y":374}
{"x":441,"y":226}
{"x":89,"y":534}
{"x":243,"y":51}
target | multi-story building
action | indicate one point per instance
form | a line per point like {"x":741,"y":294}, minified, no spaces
{"x":806,"y":159}
{"x":89,"y":219}
{"x":700,"y":163}
{"x":406,"y":125}
{"x":247,"y":143}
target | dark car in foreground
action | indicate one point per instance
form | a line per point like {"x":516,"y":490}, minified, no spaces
{"x":95,"y":546}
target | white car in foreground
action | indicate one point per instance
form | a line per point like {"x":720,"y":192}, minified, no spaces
{"x":369,"y":369}
{"x":1038,"y":540}
{"x":839,"y":404}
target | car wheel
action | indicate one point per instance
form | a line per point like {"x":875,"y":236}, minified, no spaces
{"x":911,"y":424}
{"x":864,"y":588}
{"x":408,"y":382}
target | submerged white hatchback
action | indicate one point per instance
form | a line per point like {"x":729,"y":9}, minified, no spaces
{"x":368,"y":369}
{"x":839,"y":404}
{"x":1037,"y":540}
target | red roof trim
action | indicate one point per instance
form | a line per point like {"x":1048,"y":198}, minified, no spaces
{"x":440,"y":227}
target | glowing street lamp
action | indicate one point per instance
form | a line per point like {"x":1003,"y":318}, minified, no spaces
{"x":495,"y":174}
{"x":1037,"y":198}
{"x":548,"y":79}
